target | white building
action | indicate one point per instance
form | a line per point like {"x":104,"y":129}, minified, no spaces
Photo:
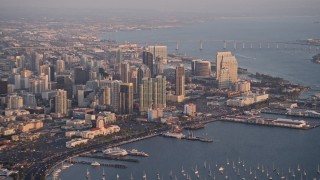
{"x":189,"y":109}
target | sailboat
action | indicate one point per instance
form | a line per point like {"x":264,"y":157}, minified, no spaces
{"x":131,"y":177}
{"x":118,"y":177}
{"x":255,"y":174}
{"x":298,"y":168}
{"x":177,"y":46}
{"x":318,"y":171}
{"x":158,"y":175}
{"x":201,"y":48}
{"x":267,"y":173}
{"x":144,"y":176}
{"x":238,"y":173}
{"x":258,"y":167}
{"x":205,"y":164}
{"x":250,"y":172}
{"x":228,"y":161}
{"x":233,"y":165}
{"x":103,"y":175}
{"x":262,"y":169}
{"x":274,"y":169}
{"x":293,"y":175}
{"x":239,"y":161}
{"x":171,"y":174}
{"x":88,"y":174}
{"x":289,"y":170}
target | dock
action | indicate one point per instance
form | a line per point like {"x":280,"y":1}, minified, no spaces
{"x":119,"y":166}
{"x":116,"y":158}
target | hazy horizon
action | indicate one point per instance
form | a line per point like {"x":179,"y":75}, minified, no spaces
{"x":217,"y":7}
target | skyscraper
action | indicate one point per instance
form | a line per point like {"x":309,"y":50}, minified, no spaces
{"x":3,"y":86}
{"x":147,"y":59}
{"x":159,"y":51}
{"x":143,"y":72}
{"x":60,"y":66}
{"x":227,"y":70}
{"x":152,"y":93}
{"x":119,"y":56}
{"x":124,"y":76}
{"x":180,"y":80}
{"x":61,"y":102}
{"x":229,"y":62}
{"x":146,"y":94}
{"x":200,"y":67}
{"x":81,"y":75}
{"x":126,"y":98}
{"x":115,"y":95}
{"x":46,"y":69}
{"x":159,"y":92}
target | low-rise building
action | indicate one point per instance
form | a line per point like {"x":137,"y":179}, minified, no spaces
{"x":32,"y":125}
{"x":76,"y":142}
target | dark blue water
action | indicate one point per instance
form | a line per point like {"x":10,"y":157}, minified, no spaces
{"x":254,"y":144}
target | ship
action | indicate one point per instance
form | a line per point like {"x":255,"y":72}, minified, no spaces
{"x":95,"y":163}
{"x":173,"y":135}
{"x":135,"y":152}
{"x":116,"y":151}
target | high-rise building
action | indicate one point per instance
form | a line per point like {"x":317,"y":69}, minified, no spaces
{"x":133,"y":78}
{"x":125,"y":68}
{"x":227,"y":60}
{"x":17,"y":81}
{"x":159,"y":92}
{"x":180,"y":80}
{"x":46,"y":69}
{"x":226,"y":70}
{"x":200,"y":67}
{"x":146,"y":94}
{"x":81,"y":75}
{"x":61,"y":102}
{"x":14,"y":101}
{"x":20,"y":62}
{"x":143,"y":72}
{"x":36,"y":59}
{"x":3,"y":86}
{"x":152,"y":93}
{"x":126,"y":98}
{"x":119,"y":56}
{"x":147,"y":59}
{"x":115,"y":95}
{"x":29,"y":99}
{"x":106,"y":96}
{"x":60,"y":66}
{"x":224,"y":79}
{"x":159,"y":51}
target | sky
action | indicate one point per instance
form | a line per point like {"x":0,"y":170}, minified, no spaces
{"x":239,"y":7}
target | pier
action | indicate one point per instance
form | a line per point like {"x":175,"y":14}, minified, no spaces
{"x":120,"y":166}
{"x":116,"y":158}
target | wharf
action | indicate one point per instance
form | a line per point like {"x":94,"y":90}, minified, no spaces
{"x":289,"y":113}
{"x":110,"y":158}
{"x":120,"y":166}
{"x":201,"y":139}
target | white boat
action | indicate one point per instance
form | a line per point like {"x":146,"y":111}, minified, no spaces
{"x":115,"y":152}
{"x":95,"y":163}
{"x":135,"y":152}
{"x":221,"y":169}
